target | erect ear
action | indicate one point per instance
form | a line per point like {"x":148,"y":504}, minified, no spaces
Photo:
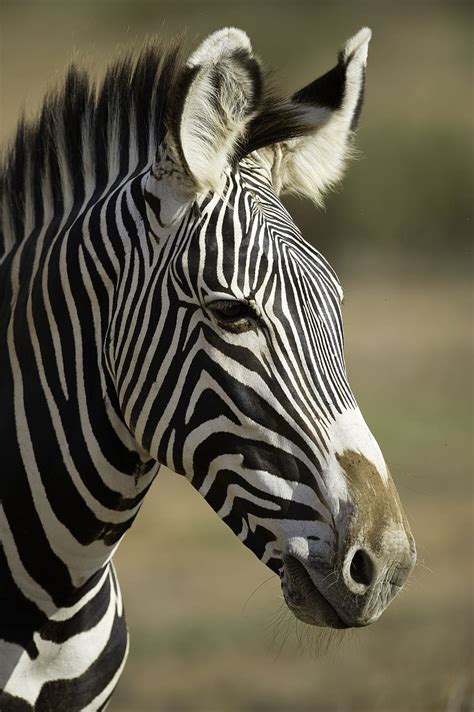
{"x":220,"y":91}
{"x":311,"y":164}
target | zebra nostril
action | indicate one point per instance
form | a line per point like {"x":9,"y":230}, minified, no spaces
{"x":362,"y":570}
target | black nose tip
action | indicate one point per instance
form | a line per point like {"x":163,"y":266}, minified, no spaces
{"x":361,"y":569}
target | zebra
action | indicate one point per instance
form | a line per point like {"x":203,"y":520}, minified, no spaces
{"x":158,"y":306}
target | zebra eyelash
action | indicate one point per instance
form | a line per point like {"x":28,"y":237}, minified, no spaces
{"x":235,"y":316}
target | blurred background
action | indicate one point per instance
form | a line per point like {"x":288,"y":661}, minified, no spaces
{"x":208,"y":632}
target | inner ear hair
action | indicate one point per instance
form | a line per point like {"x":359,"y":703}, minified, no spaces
{"x":218,"y":93}
{"x":222,"y":110}
{"x":309,"y":140}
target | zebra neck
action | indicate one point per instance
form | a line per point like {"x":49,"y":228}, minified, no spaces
{"x":75,"y":476}
{"x":88,"y":638}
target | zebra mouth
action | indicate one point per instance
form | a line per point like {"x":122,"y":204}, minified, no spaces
{"x":304,"y":600}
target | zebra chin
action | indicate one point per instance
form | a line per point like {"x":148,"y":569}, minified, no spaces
{"x":304,"y":599}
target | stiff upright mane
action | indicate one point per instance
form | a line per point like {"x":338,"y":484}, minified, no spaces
{"x":86,"y":137}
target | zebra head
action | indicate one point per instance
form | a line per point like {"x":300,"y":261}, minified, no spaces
{"x":242,"y":383}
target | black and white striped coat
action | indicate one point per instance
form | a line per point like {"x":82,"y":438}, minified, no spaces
{"x":159,"y":306}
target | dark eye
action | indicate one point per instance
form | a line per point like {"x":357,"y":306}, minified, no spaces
{"x":233,"y":315}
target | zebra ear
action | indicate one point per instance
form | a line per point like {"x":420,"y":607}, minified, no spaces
{"x":219,"y":93}
{"x":312,"y":164}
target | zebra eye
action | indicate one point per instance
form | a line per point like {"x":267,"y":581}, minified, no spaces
{"x":233,"y":315}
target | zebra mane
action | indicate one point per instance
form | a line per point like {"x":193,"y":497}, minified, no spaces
{"x":87,"y":137}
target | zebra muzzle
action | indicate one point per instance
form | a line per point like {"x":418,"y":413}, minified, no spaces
{"x":352,"y":591}
{"x":304,"y":599}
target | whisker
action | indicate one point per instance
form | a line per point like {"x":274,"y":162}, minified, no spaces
{"x":270,"y":578}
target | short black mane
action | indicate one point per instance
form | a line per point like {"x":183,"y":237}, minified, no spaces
{"x":80,"y":125}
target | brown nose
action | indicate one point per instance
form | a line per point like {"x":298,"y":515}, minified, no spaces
{"x":377,"y":551}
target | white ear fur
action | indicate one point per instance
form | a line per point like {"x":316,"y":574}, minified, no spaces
{"x":219,"y":44}
{"x":168,"y":191}
{"x":358,"y":43}
{"x":313,"y":164}
{"x":220,"y":102}
{"x":221,"y":99}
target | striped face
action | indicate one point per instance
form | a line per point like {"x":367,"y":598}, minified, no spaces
{"x":245,"y":393}
{"x":238,"y":378}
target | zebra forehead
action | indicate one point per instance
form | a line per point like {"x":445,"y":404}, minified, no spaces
{"x":249,"y":213}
